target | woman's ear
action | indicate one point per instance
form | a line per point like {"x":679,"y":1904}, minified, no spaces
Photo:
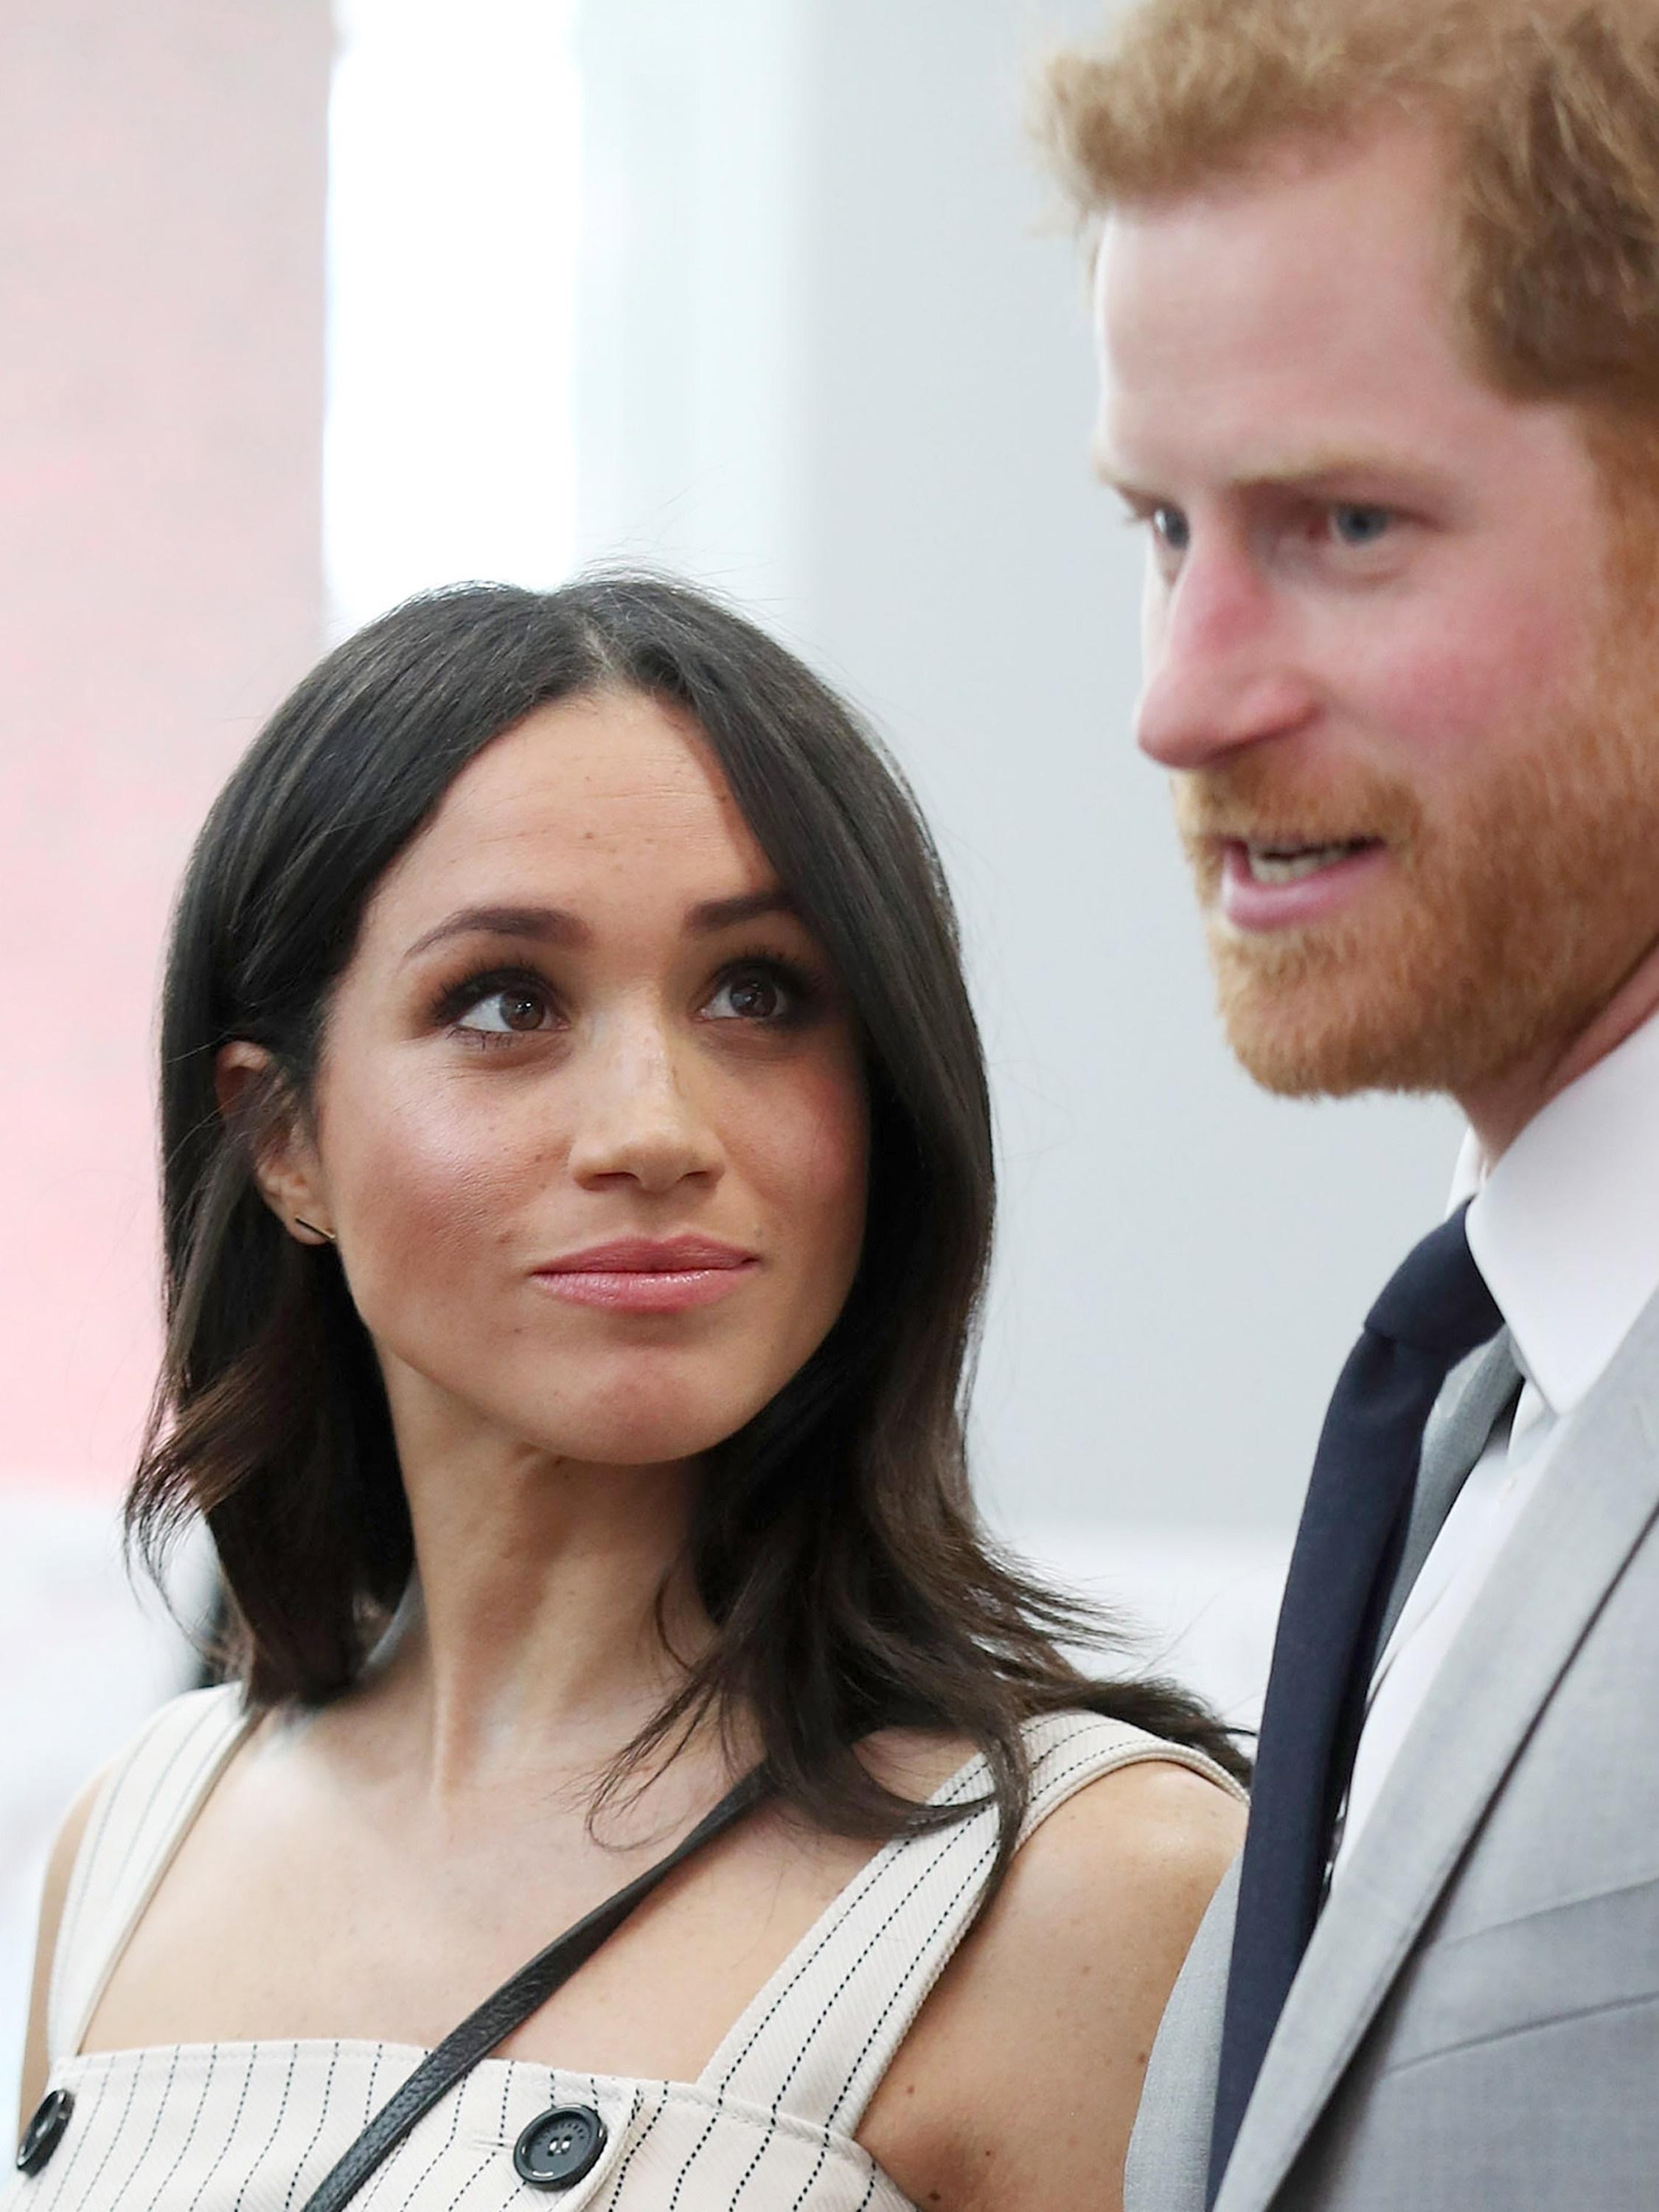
{"x":285,"y":1163}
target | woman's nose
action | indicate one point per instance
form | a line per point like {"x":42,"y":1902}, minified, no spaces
{"x":640,"y":1117}
{"x":1221,"y":672}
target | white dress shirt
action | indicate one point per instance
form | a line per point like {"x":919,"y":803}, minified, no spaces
{"x":1566,"y":1231}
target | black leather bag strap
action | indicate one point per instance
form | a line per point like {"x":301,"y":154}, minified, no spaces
{"x":516,"y":1999}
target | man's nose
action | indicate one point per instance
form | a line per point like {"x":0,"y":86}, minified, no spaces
{"x":1221,"y":672}
{"x":643,"y":1119}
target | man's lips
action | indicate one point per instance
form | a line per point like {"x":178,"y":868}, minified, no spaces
{"x":1284,"y":883}
{"x":642,"y":1274}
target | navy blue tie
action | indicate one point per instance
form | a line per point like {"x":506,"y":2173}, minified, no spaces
{"x":1435,"y":1311}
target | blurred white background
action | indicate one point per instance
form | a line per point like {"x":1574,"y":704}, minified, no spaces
{"x":771,"y":291}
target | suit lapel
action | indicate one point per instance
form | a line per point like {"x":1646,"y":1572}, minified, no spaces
{"x":1592,"y":1507}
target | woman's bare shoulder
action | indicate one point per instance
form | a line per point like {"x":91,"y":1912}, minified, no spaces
{"x":1119,"y":1876}
{"x":1158,"y":1828}
{"x":1070,"y":1970}
{"x":199,"y":1714}
{"x":60,"y":1868}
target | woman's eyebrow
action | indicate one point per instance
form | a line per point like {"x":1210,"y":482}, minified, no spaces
{"x":545,"y":924}
{"x":710,"y":915}
{"x":554,"y":925}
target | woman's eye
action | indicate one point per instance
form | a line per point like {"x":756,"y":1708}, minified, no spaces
{"x":1171,"y":528}
{"x":753,"y":994}
{"x":516,"y":1010}
{"x":1361,"y":526}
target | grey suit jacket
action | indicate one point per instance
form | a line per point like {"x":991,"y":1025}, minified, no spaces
{"x":1475,"y":2025}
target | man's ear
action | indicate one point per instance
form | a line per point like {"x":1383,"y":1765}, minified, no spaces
{"x":285,"y":1163}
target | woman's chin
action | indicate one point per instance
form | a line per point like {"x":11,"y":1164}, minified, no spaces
{"x":633,"y":1414}
{"x":641,"y":1436}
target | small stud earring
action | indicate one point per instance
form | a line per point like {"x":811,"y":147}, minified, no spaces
{"x":325,"y":1234}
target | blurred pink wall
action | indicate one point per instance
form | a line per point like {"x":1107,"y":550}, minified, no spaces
{"x":161,"y":200}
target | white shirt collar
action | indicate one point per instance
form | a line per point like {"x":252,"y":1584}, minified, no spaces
{"x":1565,"y":1228}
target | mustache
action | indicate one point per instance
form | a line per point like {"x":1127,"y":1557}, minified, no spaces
{"x":1262,"y":801}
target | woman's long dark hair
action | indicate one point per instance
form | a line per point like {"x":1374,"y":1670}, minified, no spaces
{"x":835,"y":1545}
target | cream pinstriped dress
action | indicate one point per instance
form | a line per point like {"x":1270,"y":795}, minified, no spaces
{"x":767,"y":2126}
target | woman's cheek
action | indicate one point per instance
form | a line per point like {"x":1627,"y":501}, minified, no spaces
{"x":807,"y":1156}
{"x":427,"y":1191}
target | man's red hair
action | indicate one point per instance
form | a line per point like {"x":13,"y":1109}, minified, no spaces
{"x":1550,"y":110}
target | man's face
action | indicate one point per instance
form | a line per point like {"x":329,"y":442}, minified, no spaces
{"x":1413,"y":760}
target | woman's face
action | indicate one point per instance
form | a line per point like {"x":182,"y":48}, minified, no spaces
{"x":589,"y":1123}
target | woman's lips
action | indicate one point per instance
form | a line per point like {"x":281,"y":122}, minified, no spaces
{"x":648,"y":1275}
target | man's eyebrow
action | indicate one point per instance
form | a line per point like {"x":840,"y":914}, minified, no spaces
{"x":544,"y":925}
{"x":1103,"y":464}
{"x":710,"y":915}
{"x":1336,"y":464}
{"x":1303,"y":472}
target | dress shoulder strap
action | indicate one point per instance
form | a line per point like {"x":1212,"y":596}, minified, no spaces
{"x":818,"y":2039}
{"x":141,"y":1814}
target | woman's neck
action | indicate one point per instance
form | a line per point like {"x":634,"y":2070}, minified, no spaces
{"x":552,"y":1613}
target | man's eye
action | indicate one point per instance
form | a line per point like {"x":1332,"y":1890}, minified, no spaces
{"x":1361,"y":526}
{"x":1171,"y":528}
{"x":517,"y":1011}
{"x":752,"y":994}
